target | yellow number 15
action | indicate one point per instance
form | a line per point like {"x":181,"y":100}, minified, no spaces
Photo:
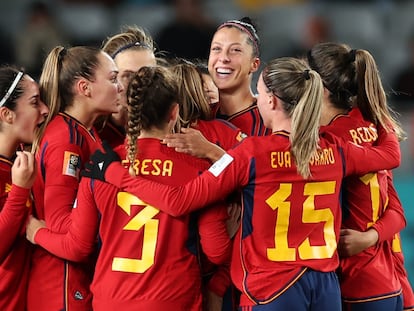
{"x":278,"y":202}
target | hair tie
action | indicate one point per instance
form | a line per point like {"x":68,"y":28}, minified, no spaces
{"x":11,"y":88}
{"x":352,"y":54}
{"x":306,"y":74}
{"x":128,"y":46}
{"x":62,"y":54}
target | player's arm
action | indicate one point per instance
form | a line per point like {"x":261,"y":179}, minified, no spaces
{"x":393,"y":220}
{"x":16,"y":207}
{"x":214,"y":238}
{"x":223,"y":177}
{"x":361,"y":160}
{"x":80,"y":239}
{"x":61,"y":167}
{"x":220,"y":281}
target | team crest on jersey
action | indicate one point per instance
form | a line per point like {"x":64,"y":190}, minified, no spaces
{"x":71,"y":164}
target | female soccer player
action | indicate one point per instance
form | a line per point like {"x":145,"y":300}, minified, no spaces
{"x":355,"y":107}
{"x":131,"y":49}
{"x":233,"y":59}
{"x":285,"y":252}
{"x":21,"y":113}
{"x":78,"y":85}
{"x":195,"y":113}
{"x":147,"y":258}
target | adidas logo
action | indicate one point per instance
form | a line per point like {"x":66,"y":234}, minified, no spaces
{"x":78,"y":295}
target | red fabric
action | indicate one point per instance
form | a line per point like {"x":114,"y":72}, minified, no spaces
{"x":56,"y":283}
{"x":15,"y":205}
{"x":249,"y":121}
{"x":157,"y":267}
{"x":265,"y":169}
{"x":368,"y":201}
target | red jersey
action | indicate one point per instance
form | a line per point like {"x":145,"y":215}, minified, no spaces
{"x":408,"y":295}
{"x":56,"y":283}
{"x":113,"y":134}
{"x":14,"y":248}
{"x":220,"y":132}
{"x":147,"y":258}
{"x":289,"y":224}
{"x":369,"y":275}
{"x":249,"y":121}
{"x":225,"y":135}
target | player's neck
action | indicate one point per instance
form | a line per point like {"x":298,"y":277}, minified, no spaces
{"x":7,"y":149}
{"x":233,"y":102}
{"x":329,"y":112}
{"x":154,"y":133}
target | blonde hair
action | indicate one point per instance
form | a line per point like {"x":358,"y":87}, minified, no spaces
{"x":61,"y":69}
{"x":130,"y":37}
{"x":301,"y":92}
{"x":193,"y":101}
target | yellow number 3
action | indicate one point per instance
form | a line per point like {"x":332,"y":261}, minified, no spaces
{"x":278,"y":201}
{"x":144,"y":219}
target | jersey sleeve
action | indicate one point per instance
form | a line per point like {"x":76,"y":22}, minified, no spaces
{"x":79,"y":241}
{"x":12,"y":217}
{"x":220,"y":280}
{"x":214,"y":239}
{"x":362,"y":160}
{"x":393,"y":219}
{"x":61,"y":168}
{"x":224,"y":176}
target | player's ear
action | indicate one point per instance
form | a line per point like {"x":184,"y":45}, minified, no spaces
{"x":83,"y":87}
{"x":175,"y":112}
{"x":254,"y":66}
{"x":6,"y":115}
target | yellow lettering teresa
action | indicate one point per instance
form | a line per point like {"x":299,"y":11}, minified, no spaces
{"x":153,"y":167}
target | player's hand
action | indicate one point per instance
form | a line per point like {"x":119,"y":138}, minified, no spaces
{"x":33,"y":225}
{"x":213,"y":301}
{"x":233,"y":222}
{"x":192,"y":141}
{"x":352,"y":242}
{"x":24,"y":169}
{"x":99,"y":162}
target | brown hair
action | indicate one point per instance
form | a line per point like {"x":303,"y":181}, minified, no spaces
{"x":352,"y":78}
{"x":151,"y":95}
{"x":193,"y":101}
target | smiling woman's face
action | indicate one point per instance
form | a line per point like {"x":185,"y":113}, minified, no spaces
{"x":231,"y":58}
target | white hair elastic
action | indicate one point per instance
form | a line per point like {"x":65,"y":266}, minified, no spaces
{"x":11,"y":89}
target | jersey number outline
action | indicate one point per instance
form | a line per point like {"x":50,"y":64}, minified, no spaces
{"x":279,"y":203}
{"x":143,"y":220}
